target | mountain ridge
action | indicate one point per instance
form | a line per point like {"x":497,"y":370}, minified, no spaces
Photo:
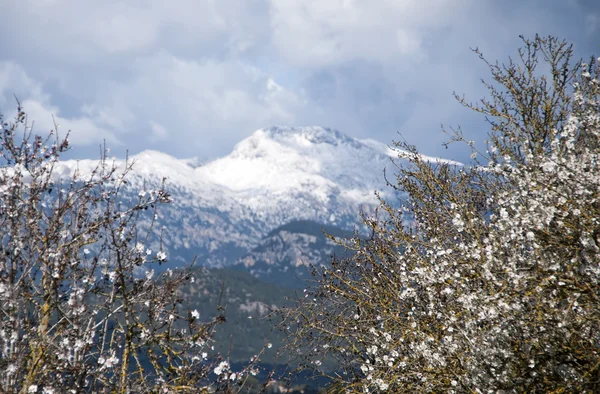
{"x":224,"y":207}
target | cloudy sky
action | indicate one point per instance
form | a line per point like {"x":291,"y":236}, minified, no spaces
{"x":193,"y":77}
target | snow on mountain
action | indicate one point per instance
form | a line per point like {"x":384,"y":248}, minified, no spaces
{"x":276,"y":166}
{"x":224,"y":207}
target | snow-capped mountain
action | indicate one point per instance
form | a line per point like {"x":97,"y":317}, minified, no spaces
{"x":289,"y":171}
{"x":224,"y":207}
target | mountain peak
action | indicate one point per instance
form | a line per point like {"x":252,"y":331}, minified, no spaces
{"x":310,"y":134}
{"x":306,"y":141}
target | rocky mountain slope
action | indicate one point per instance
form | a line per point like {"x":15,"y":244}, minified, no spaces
{"x":287,"y":254}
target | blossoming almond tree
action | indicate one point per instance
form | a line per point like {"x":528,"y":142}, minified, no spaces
{"x":80,"y":307}
{"x":487,"y":279}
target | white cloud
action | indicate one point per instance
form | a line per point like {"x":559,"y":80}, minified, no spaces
{"x":325,"y":32}
{"x":159,"y":132}
{"x":14,"y":82}
{"x":88,"y":31}
{"x":82,"y":131}
{"x":198,"y":103}
{"x":195,"y":76}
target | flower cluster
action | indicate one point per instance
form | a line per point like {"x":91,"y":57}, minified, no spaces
{"x":81,"y":307}
{"x":487,"y":278}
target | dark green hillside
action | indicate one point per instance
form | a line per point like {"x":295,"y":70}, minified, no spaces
{"x":246,"y":304}
{"x":311,"y":228}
